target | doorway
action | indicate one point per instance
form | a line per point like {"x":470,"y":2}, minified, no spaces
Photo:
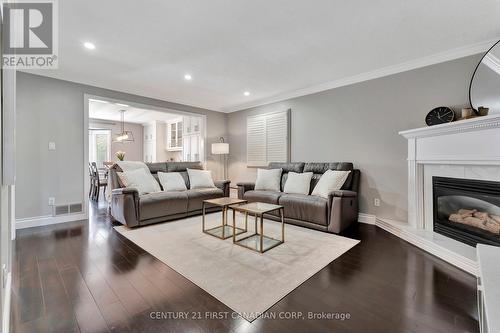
{"x":141,"y":132}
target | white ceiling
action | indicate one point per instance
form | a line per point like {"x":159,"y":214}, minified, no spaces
{"x":111,"y":111}
{"x":274,"y":49}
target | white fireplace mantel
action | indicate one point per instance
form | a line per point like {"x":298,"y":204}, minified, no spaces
{"x":463,"y":149}
{"x":473,"y":124}
{"x":474,"y":141}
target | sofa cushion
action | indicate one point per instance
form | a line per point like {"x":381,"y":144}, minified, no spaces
{"x":305,"y":207}
{"x":196,"y":197}
{"x":268,"y":179}
{"x":183,"y":166}
{"x":200,"y":179}
{"x":332,"y":180}
{"x":320,"y":168}
{"x":171,"y":181}
{"x":262,"y":196}
{"x":158,"y":204}
{"x":296,"y":167}
{"x":156,"y":167}
{"x":298,"y":183}
{"x":141,"y":179}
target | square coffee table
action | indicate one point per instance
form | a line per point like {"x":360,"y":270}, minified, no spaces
{"x":258,"y":241}
{"x":223,"y":231}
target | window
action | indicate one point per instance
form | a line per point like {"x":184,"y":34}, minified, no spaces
{"x":268,"y":138}
{"x":100,"y":146}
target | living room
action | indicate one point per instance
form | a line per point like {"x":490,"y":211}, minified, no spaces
{"x":253,"y":167}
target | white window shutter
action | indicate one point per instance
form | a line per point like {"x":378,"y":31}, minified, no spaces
{"x":267,"y":138}
{"x":276,"y":137}
{"x":256,"y":141}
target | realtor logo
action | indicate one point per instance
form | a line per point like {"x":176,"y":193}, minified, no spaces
{"x":30,"y":34}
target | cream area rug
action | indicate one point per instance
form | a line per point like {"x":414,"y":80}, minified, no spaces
{"x":246,"y":281}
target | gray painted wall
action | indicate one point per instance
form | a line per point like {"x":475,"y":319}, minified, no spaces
{"x":53,"y":110}
{"x":360,"y":123}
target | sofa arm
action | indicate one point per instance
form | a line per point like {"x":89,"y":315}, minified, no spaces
{"x":125,"y":206}
{"x":125,"y":190}
{"x":343,"y":207}
{"x":244,"y":187}
{"x":224,"y":186}
{"x":343,"y":193}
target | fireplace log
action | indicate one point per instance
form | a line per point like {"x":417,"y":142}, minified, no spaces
{"x":473,"y":218}
{"x":496,"y":218}
{"x":466,"y":212}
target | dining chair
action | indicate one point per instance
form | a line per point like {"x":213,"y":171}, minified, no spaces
{"x":92,"y":182}
{"x":98,"y":182}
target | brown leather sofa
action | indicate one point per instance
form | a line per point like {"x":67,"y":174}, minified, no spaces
{"x":334,"y":214}
{"x":132,"y":209}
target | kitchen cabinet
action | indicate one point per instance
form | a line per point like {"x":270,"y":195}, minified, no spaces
{"x":174,"y":135}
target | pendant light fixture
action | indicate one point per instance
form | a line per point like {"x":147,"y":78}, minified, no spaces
{"x":123,"y":136}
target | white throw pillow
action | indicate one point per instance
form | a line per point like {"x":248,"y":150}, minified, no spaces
{"x":141,"y":179}
{"x":200,"y":179}
{"x":299,"y":183}
{"x":331,"y":180}
{"x":172,"y":181}
{"x":268,"y":180}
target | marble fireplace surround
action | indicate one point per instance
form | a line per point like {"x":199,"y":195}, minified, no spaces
{"x":463,"y":149}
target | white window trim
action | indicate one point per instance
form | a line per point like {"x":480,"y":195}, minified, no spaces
{"x":265,"y":161}
{"x":92,"y":151}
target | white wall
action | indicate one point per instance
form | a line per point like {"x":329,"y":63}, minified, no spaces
{"x":53,"y":110}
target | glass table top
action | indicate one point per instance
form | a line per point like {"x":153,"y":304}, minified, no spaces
{"x":257,"y":207}
{"x":253,"y":242}
{"x":225,"y":201}
{"x":228,"y":231}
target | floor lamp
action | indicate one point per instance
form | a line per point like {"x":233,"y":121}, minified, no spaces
{"x":221,"y":148}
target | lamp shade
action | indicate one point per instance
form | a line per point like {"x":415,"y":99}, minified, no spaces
{"x":220,"y":148}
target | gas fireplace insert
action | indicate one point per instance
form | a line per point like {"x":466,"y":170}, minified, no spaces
{"x":467,"y":210}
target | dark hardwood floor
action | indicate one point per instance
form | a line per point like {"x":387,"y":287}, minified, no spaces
{"x":83,"y":276}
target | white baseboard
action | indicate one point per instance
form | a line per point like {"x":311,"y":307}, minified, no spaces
{"x":6,"y":305}
{"x":39,"y":221}
{"x":456,"y":253}
{"x":366,"y":218}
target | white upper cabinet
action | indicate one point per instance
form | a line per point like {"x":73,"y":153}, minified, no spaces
{"x":149,"y":132}
{"x":174,"y":135}
{"x":192,"y":125}
{"x":192,"y":139}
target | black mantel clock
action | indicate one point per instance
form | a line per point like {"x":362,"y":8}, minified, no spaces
{"x":440,"y":115}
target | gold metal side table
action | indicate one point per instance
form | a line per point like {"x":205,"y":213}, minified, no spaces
{"x":258,"y":241}
{"x":223,"y":231}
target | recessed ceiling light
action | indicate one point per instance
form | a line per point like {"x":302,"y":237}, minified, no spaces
{"x":123,"y":105}
{"x":187,"y":77}
{"x":246,"y":93}
{"x":89,"y":45}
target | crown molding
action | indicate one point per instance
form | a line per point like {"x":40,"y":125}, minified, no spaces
{"x":492,"y":62}
{"x":437,"y":58}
